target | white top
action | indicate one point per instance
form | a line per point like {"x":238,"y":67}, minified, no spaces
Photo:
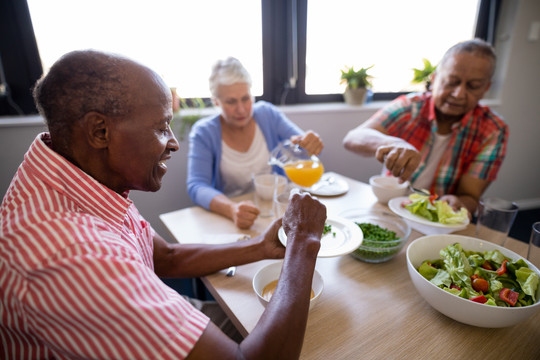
{"x":425,"y":179}
{"x":238,"y":167}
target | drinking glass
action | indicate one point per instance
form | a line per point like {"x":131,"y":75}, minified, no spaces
{"x":495,"y":218}
{"x":534,"y":245}
{"x":266,"y":185}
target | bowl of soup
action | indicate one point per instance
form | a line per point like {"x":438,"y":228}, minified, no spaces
{"x":266,"y":279}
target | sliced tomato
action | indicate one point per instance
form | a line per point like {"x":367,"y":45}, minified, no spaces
{"x":474,"y":276}
{"x":479,"y":299}
{"x":502,"y":269}
{"x":405,"y":203}
{"x":509,"y":296}
{"x":453,"y":286}
{"x":432,"y":198}
{"x":486,"y":265}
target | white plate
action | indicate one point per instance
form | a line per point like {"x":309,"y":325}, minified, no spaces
{"x":330,"y":184}
{"x":348,"y":237}
{"x":421,"y":224}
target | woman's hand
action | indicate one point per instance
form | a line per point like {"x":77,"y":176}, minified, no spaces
{"x":244,"y":214}
{"x":310,"y":141}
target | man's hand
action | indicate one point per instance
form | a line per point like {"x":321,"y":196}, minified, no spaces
{"x":273,"y":248}
{"x":310,"y":141}
{"x":304,"y":218}
{"x":400,"y":158}
{"x":244,"y":214}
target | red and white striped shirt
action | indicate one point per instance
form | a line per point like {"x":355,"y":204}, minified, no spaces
{"x":76,"y":271}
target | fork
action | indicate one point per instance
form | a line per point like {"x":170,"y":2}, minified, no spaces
{"x":419,"y":191}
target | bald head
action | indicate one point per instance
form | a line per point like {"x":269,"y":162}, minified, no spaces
{"x":84,"y":81}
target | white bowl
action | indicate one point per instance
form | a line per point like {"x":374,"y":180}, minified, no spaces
{"x":387,"y":187}
{"x":271,"y":272}
{"x":459,"y":309}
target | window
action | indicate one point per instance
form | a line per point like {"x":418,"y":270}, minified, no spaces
{"x":294,"y":49}
{"x":180,"y":39}
{"x":344,"y":33}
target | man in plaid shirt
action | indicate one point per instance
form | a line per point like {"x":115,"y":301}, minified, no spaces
{"x":443,"y":140}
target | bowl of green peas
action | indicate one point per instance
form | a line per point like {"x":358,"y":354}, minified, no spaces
{"x":385,"y":234}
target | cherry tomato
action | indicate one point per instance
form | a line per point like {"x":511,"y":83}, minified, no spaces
{"x":480,"y":285}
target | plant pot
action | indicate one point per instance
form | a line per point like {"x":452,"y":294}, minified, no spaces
{"x":355,"y":96}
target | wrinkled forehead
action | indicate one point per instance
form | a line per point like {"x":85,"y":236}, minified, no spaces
{"x":468,"y":60}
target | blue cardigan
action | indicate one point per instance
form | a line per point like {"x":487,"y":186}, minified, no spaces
{"x":203,"y":176}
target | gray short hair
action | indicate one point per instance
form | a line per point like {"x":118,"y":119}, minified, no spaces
{"x":80,"y":82}
{"x":477,"y":47}
{"x":227,"y":72}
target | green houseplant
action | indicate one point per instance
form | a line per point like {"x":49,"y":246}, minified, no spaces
{"x":423,"y":76}
{"x":357,"y":84}
{"x":185,"y":113}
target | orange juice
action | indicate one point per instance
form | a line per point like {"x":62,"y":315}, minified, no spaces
{"x":304,"y":172}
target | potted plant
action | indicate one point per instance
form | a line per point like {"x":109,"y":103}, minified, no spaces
{"x":423,"y":76}
{"x":357,"y":84}
{"x":185,"y":113}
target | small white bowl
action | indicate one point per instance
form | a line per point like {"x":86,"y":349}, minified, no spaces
{"x":386,"y":188}
{"x":271,"y":272}
{"x":459,"y":309}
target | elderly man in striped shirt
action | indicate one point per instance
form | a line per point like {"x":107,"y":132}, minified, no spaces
{"x":443,"y":140}
{"x":80,"y":267}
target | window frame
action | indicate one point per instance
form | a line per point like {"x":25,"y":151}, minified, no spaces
{"x":283,"y":20}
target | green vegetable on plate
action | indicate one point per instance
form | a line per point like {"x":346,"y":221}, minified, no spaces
{"x":435,"y":210}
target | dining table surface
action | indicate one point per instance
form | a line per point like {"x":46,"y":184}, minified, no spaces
{"x":366,"y":310}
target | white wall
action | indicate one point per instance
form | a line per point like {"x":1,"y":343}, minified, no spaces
{"x":516,"y":97}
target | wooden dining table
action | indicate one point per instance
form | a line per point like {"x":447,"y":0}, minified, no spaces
{"x":366,"y":310}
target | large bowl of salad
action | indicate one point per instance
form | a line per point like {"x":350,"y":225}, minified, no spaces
{"x":385,"y":234}
{"x":474,"y":281}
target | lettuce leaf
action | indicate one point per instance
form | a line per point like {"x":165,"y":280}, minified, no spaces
{"x":528,"y":280}
{"x":438,"y":211}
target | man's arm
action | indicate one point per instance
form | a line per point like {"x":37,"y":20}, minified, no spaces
{"x":280,"y":331}
{"x":397,"y":155}
{"x":195,"y":260}
{"x":468,"y":193}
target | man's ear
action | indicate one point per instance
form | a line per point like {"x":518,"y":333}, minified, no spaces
{"x":96,"y":129}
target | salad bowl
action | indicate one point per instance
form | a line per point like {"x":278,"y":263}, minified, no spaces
{"x":455,"y":307}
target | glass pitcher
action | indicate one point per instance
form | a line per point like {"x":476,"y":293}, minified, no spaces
{"x":300,"y":167}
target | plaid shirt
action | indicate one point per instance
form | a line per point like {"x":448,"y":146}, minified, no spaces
{"x":477,"y":146}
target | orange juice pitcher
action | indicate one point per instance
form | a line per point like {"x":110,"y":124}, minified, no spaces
{"x":300,"y":167}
